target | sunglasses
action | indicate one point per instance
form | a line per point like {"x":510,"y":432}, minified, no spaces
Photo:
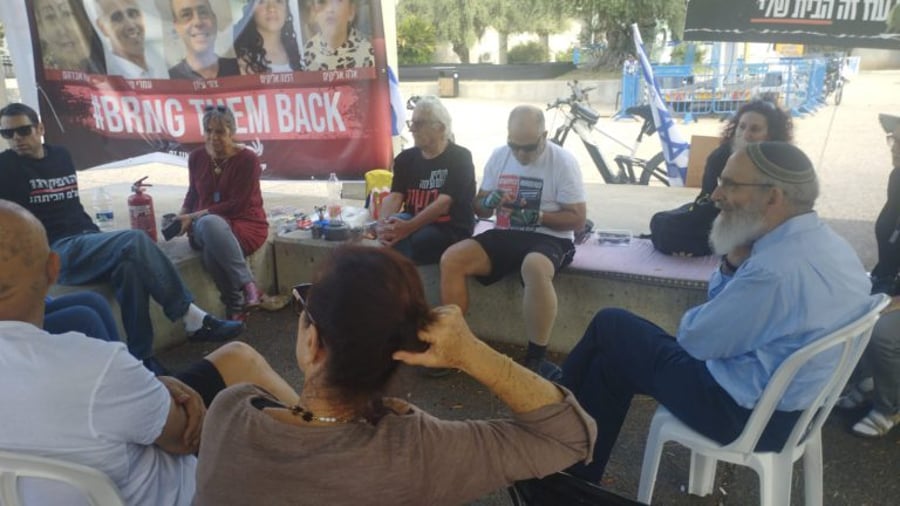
{"x":22,"y":131}
{"x":301,"y":293}
{"x":219,"y":108}
{"x":526,"y":148}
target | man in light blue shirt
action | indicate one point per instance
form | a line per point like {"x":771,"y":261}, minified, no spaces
{"x":785,"y":280}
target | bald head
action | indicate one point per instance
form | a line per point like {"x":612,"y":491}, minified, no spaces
{"x":527,"y":136}
{"x":27,"y":266}
{"x":526,"y":116}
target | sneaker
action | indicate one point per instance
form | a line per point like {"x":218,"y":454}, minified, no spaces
{"x":217,"y":330}
{"x":545,"y":369}
{"x":252,"y":295}
{"x":876,"y":424}
{"x":155,"y":366}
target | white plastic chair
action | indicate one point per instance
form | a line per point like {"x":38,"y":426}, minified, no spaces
{"x":775,"y":470}
{"x":80,"y":484}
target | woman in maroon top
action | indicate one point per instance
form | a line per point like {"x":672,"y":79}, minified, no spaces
{"x":223,"y":210}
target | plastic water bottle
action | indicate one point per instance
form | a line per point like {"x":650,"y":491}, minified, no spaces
{"x":334,"y":197}
{"x":103,"y":210}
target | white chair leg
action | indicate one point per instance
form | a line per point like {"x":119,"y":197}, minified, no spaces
{"x":650,"y":467}
{"x":812,"y":471}
{"x":703,"y":474}
{"x":775,"y":482}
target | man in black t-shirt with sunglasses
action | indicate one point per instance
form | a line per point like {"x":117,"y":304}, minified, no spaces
{"x":41,"y":178}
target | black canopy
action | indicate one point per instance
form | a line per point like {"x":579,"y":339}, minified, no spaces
{"x":847,"y":23}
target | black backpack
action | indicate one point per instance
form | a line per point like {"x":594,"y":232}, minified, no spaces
{"x":684,"y":231}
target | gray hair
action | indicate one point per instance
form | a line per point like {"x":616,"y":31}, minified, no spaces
{"x":221,"y":113}
{"x":433,"y":106}
{"x":801,"y":196}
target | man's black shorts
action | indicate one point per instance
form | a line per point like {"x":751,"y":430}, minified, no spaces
{"x":508,"y":248}
{"x":203,"y":377}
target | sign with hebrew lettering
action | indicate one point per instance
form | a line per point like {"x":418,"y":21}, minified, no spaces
{"x":845,"y":23}
{"x":306,"y":79}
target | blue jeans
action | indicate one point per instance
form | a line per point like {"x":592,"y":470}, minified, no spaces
{"x":85,"y":312}
{"x":426,"y":245}
{"x":621,"y":355}
{"x":223,"y":259}
{"x":137,"y":270}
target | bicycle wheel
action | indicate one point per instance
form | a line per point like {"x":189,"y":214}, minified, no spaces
{"x":655,"y":167}
{"x":838,"y":94}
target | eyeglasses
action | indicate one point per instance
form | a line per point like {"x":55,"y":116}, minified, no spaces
{"x":730,"y":184}
{"x":889,"y":138}
{"x":301,"y":294}
{"x":525,"y":148}
{"x":419,"y":123}
{"x":22,"y":131}
{"x":219,"y":108}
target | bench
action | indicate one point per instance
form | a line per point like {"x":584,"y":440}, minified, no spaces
{"x":199,"y":283}
{"x":635,"y":277}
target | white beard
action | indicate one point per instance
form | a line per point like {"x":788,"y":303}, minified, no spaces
{"x":736,"y":227}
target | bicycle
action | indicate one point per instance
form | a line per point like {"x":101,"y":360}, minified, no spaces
{"x":835,"y":79}
{"x":580,"y":117}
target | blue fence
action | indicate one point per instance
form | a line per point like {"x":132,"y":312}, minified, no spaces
{"x":796,"y":84}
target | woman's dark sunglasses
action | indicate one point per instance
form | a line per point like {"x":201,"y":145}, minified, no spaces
{"x":301,"y":293}
{"x":23,"y":131}
{"x":219,"y":108}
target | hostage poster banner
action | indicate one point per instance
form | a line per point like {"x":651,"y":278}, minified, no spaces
{"x":844,"y":23}
{"x":306,"y":79}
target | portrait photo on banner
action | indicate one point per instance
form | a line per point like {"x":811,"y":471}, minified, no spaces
{"x":132,"y":76}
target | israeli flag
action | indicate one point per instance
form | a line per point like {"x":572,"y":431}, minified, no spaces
{"x":674,"y":148}
{"x":398,"y":107}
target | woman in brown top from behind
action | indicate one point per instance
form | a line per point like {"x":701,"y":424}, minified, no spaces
{"x":343,"y":443}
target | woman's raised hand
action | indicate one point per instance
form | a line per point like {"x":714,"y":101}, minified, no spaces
{"x":450,"y":342}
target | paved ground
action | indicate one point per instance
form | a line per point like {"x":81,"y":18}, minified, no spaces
{"x":848,"y":148}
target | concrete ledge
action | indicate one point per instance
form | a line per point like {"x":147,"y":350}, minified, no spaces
{"x":190,"y":268}
{"x":495,"y":312}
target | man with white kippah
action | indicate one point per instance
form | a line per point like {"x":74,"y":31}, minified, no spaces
{"x":785,"y":280}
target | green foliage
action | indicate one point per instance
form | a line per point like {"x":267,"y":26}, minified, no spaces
{"x":564,"y":56}
{"x":415,"y":40}
{"x":611,"y":20}
{"x":460,"y":22}
{"x":679,"y":52}
{"x":530,"y":52}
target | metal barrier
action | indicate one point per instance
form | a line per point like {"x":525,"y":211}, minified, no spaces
{"x":796,"y":84}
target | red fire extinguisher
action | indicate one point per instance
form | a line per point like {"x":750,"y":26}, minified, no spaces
{"x":140,"y":209}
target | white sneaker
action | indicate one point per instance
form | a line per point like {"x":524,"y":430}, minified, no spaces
{"x":876,"y":424}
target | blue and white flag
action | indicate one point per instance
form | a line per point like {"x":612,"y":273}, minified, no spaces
{"x":674,"y":148}
{"x":398,"y":107}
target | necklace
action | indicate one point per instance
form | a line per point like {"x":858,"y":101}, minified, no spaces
{"x":217,"y":169}
{"x":308,"y":416}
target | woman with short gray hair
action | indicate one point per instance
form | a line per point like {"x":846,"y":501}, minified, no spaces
{"x":223,"y":210}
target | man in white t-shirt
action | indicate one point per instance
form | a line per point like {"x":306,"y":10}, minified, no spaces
{"x":534,"y":188}
{"x":89,"y":401}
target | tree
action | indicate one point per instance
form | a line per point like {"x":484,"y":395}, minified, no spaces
{"x":460,"y":22}
{"x":611,"y":20}
{"x":527,"y":16}
{"x":415,"y":40}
